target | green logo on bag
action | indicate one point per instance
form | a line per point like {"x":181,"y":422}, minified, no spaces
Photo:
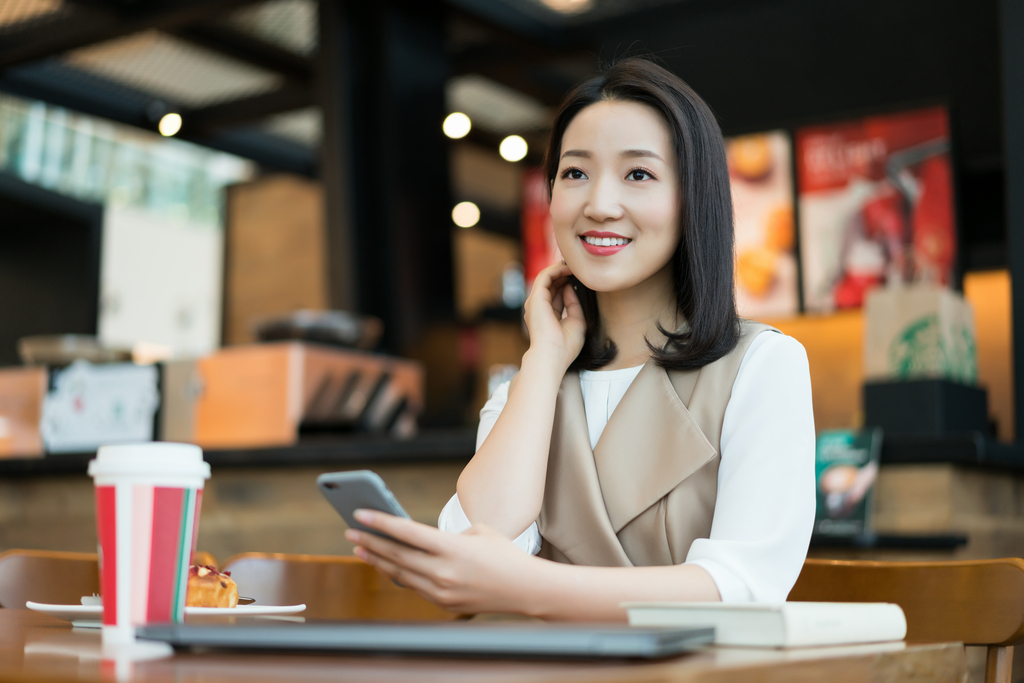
{"x":921,"y":350}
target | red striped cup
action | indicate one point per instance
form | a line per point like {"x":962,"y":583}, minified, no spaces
{"x":147,"y":517}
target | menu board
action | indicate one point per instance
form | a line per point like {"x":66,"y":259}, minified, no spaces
{"x":875,"y":197}
{"x":762,"y":198}
{"x":846,"y":470}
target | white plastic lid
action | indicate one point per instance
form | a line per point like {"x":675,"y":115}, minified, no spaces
{"x":154,"y":458}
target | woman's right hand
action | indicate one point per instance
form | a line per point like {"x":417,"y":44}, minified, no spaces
{"x":555,"y":335}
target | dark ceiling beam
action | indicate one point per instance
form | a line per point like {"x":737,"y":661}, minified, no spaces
{"x":58,"y":84}
{"x":247,"y":110}
{"x":248,"y":48}
{"x":88,"y":23}
{"x":510,"y":75}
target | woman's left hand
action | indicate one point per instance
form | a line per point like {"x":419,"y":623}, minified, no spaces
{"x":478,"y":570}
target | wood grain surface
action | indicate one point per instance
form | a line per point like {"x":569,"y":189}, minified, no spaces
{"x":36,"y":647}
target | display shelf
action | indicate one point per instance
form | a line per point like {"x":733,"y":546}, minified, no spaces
{"x":891,"y":541}
{"x":429,"y":446}
{"x":970,"y":448}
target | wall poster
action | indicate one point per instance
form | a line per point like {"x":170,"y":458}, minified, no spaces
{"x":875,"y":199}
{"x":762,"y":196}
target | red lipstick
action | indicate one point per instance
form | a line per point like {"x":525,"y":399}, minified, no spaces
{"x":602,"y":250}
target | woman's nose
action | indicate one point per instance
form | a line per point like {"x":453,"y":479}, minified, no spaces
{"x":603,"y":203}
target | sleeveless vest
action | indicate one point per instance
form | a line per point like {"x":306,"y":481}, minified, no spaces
{"x":648,"y":489}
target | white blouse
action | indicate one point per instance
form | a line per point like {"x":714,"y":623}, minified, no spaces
{"x":764,"y":511}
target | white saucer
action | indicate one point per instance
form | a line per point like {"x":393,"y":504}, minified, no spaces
{"x":90,"y":616}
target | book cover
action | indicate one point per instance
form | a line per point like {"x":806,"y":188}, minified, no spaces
{"x":846,"y":469}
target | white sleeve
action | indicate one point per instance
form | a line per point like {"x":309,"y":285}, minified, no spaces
{"x":764,"y":512}
{"x":452,"y":517}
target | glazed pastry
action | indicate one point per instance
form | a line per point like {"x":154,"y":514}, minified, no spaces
{"x":779,"y":232}
{"x":755,"y":269}
{"x":750,"y":157}
{"x":208,"y":587}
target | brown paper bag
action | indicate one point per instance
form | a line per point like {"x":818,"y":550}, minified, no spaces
{"x":919,"y":331}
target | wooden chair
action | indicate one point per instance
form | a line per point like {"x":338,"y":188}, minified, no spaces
{"x":331,"y":587}
{"x":47,"y":576}
{"x":977,"y":602}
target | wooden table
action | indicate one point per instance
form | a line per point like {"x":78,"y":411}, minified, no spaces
{"x":36,"y":647}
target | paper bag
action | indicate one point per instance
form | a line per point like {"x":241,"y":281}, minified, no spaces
{"x":919,"y":331}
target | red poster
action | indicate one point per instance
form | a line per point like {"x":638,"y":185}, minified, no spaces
{"x":539,"y":248}
{"x":876,"y":205}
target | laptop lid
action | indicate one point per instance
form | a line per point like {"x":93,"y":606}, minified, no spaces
{"x":508,"y":639}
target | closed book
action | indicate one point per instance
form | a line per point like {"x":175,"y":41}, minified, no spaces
{"x":786,"y":624}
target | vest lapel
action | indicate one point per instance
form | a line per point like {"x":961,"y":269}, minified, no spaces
{"x":650,"y":444}
{"x":573,"y":517}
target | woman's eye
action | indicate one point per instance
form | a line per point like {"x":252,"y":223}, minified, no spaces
{"x":574,"y":174}
{"x":639,"y":174}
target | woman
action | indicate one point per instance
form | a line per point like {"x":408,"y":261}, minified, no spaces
{"x":654,"y":446}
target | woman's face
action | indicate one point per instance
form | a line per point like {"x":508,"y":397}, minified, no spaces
{"x":615,"y":201}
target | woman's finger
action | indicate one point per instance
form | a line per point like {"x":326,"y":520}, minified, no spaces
{"x":572,"y":302}
{"x":399,"y":553}
{"x":545,"y":278}
{"x":402,"y":575}
{"x":405,"y":530}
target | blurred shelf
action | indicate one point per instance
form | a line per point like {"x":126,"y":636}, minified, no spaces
{"x":891,"y":541}
{"x":971,"y":449}
{"x":432,"y":446}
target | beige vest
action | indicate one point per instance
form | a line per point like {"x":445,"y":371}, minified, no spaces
{"x":648,"y":489}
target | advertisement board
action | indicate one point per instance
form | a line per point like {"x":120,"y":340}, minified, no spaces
{"x":875,"y":199}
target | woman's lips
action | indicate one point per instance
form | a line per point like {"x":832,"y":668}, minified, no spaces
{"x":603,"y":244}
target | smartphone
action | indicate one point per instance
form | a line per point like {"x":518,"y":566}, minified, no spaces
{"x":350,"y":491}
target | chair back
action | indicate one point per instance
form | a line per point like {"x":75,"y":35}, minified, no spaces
{"x":331,"y":587}
{"x":977,"y":602}
{"x":48,"y":576}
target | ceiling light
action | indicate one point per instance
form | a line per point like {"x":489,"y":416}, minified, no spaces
{"x":169,"y":124}
{"x":568,"y":6}
{"x":466,"y":214}
{"x":513,"y":148}
{"x":457,"y":125}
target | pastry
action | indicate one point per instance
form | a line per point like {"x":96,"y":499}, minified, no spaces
{"x":755,"y":269}
{"x":208,"y":587}
{"x":750,"y":157}
{"x":778,"y":229}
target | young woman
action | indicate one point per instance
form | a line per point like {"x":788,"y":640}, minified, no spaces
{"x":653,"y":446}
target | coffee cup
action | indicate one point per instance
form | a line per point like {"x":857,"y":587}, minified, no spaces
{"x":147,"y":515}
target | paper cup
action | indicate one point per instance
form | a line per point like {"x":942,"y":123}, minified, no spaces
{"x":147,"y":516}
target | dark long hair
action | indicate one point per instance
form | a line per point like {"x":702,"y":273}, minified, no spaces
{"x":702,"y":266}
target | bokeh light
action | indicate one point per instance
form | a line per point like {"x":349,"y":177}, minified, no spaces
{"x":457,"y":125}
{"x":466,"y":214}
{"x":169,"y":124}
{"x":513,"y":148}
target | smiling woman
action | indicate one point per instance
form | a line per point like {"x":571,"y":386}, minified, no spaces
{"x":653,"y":446}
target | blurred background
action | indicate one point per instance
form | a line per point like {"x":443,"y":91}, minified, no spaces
{"x":300,"y":233}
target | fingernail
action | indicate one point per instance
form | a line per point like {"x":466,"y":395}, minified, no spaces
{"x":364,"y":516}
{"x":352,"y":535}
{"x":359,"y":552}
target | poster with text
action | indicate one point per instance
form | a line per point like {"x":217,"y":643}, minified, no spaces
{"x":876,"y":205}
{"x":762,"y":197}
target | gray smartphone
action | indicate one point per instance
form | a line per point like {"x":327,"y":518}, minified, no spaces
{"x":350,"y":491}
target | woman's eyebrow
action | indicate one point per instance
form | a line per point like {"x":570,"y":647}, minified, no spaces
{"x":631,"y":153}
{"x":576,"y":153}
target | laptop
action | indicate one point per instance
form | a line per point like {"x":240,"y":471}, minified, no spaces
{"x":497,"y":639}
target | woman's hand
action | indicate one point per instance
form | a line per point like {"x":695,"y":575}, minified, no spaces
{"x":476,"y":571}
{"x":554,"y":316}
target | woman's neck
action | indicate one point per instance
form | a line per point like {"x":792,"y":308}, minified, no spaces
{"x":630,"y":318}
